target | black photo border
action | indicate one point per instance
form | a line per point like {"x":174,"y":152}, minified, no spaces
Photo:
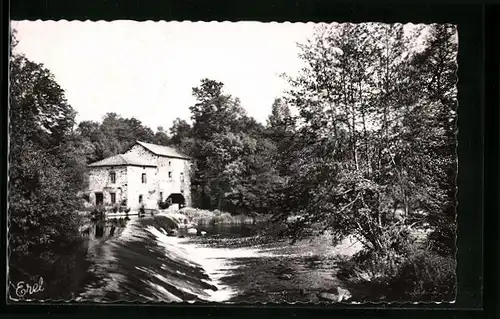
{"x":478,"y":165}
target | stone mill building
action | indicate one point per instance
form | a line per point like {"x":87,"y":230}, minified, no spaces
{"x":146,"y":174}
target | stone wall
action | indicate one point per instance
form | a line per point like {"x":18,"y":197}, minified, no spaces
{"x":136,"y":187}
{"x":187,"y":182}
{"x":174,"y":177}
{"x":168,"y":185}
{"x":100,"y":181}
{"x":142,"y":152}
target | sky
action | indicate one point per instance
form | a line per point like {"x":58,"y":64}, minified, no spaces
{"x":147,"y":70}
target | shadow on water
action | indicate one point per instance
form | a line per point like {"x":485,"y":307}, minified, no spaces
{"x":104,"y":228}
{"x":61,"y":268}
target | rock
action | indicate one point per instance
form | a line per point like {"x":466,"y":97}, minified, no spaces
{"x":201,"y":233}
{"x":192,"y":231}
{"x":328,"y":296}
{"x":285,"y":276}
{"x":343,"y":294}
{"x":172,"y":232}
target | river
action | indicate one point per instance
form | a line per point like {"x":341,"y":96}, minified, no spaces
{"x":138,"y":259}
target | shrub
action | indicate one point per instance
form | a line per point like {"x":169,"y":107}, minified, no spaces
{"x":214,"y":217}
{"x":416,"y":274}
{"x":425,"y":275}
{"x":369,"y":266}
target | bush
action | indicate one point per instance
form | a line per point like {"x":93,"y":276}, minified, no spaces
{"x":415,"y":275}
{"x":368,"y":266}
{"x":214,"y":217}
{"x":428,"y":276}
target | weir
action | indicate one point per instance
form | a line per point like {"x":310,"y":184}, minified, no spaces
{"x":135,"y":260}
{"x":158,"y":259}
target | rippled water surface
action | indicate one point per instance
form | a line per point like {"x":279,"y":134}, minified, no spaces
{"x":139,"y":259}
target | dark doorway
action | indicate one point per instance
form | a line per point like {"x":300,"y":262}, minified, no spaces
{"x":177,"y":198}
{"x":99,"y":199}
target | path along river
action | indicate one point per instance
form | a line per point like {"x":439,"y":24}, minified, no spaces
{"x":136,"y":260}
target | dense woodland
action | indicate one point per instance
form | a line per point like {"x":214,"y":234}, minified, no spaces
{"x":362,"y":144}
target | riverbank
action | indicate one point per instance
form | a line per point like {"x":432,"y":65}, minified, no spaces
{"x":202,"y":216}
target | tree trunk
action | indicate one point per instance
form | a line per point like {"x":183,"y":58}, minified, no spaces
{"x":365,"y":134}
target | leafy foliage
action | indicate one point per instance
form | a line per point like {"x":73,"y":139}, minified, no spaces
{"x":373,"y":154}
{"x":46,"y":169}
{"x":115,"y":135}
{"x":231,"y":168}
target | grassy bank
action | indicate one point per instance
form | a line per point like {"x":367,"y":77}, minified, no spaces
{"x":201,"y":216}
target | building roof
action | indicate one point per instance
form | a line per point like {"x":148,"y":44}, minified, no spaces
{"x":123,"y":160}
{"x":161,"y":150}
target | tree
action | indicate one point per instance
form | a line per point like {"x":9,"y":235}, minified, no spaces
{"x":280,"y":130}
{"x":179,"y":131}
{"x":435,"y":74}
{"x":214,"y":115}
{"x":232,"y":156}
{"x":115,"y":135}
{"x":280,"y":114}
{"x":366,"y":134}
{"x":215,"y":112}
{"x":161,"y":137}
{"x":45,"y":171}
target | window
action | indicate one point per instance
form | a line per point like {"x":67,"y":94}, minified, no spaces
{"x":169,"y":174}
{"x":182,"y":177}
{"x":144,"y":181}
{"x":140,"y":198}
{"x":161,"y":196}
{"x":113,"y":198}
{"x":169,"y":163}
{"x":112,"y":177}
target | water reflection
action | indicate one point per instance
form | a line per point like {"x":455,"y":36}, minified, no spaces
{"x":105,"y":228}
